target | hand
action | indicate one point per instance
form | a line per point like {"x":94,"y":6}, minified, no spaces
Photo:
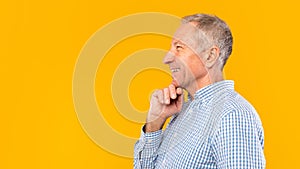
{"x":163,"y":104}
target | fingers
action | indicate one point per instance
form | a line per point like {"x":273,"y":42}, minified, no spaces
{"x":172,"y":90}
{"x":159,"y":95}
{"x":179,"y":91}
{"x":167,"y":94}
{"x":180,"y":96}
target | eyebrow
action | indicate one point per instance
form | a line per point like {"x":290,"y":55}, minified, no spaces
{"x":177,"y":42}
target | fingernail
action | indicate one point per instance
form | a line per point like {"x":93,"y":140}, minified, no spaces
{"x":173,"y":96}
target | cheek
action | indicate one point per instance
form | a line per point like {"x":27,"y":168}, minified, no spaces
{"x":196,"y":66}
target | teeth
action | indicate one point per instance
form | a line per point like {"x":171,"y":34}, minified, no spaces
{"x":175,"y":70}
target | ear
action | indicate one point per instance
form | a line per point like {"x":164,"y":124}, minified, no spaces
{"x":212,"y":56}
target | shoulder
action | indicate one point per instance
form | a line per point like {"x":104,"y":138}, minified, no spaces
{"x":232,"y":109}
{"x":233,"y":103}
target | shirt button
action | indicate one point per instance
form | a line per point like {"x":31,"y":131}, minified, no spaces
{"x":150,"y":140}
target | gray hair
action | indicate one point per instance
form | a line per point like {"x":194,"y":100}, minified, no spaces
{"x":216,"y":31}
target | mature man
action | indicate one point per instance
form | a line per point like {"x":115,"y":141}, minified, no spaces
{"x":216,"y":127}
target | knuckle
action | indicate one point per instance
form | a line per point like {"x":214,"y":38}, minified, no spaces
{"x":156,"y":92}
{"x":166,"y":91}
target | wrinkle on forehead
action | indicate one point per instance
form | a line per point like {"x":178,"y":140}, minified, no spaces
{"x":191,"y":36}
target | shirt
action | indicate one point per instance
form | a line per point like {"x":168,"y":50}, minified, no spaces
{"x":217,"y":129}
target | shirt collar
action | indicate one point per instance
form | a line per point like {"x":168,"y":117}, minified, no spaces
{"x":207,"y":92}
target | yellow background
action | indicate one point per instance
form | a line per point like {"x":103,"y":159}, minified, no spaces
{"x":41,"y":40}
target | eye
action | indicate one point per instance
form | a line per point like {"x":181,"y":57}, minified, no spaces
{"x":179,"y":47}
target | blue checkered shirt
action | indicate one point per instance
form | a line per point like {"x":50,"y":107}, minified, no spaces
{"x":217,"y":129}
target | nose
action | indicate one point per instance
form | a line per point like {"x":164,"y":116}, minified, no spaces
{"x":168,"y":58}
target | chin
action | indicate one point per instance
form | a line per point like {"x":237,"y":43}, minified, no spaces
{"x":176,"y":82}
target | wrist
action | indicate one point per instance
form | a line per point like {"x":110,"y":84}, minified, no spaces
{"x":155,"y":125}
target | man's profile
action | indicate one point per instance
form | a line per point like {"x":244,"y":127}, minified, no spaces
{"x":216,"y":127}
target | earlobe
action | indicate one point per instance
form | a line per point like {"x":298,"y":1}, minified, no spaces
{"x":212,"y":56}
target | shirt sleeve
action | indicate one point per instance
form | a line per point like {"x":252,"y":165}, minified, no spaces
{"x":238,"y":142}
{"x":145,"y":149}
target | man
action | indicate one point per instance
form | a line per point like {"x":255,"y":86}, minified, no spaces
{"x":216,"y":127}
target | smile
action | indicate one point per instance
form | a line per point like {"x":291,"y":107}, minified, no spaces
{"x":175,"y":70}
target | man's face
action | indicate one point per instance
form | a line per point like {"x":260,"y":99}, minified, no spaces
{"x":185,"y":64}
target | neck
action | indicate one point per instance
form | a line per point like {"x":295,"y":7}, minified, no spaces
{"x":208,"y":79}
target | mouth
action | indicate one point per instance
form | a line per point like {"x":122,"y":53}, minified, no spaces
{"x":173,"y":70}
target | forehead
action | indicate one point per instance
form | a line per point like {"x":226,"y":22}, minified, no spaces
{"x":186,"y":34}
